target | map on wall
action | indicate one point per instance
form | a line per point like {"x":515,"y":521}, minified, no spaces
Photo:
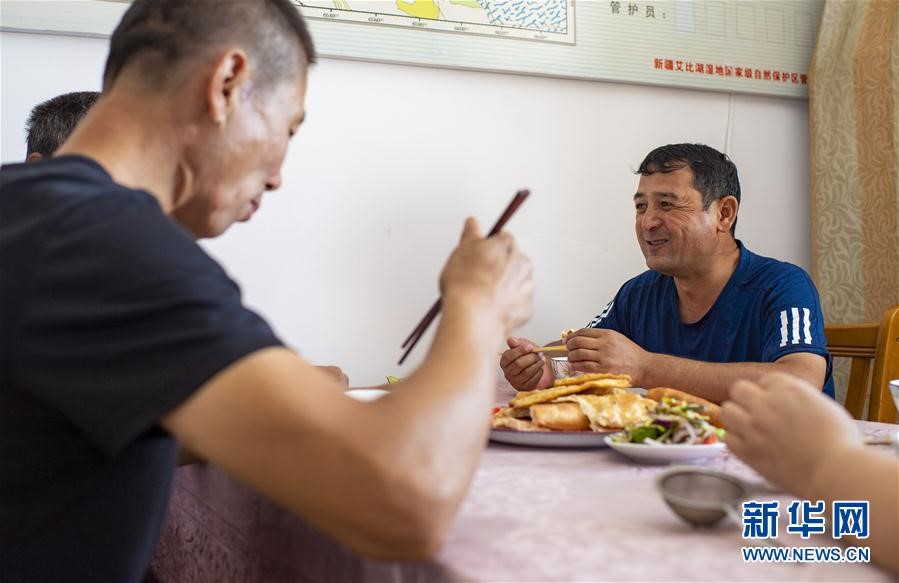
{"x":746,"y":46}
{"x":550,"y":20}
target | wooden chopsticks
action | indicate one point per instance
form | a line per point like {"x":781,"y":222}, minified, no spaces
{"x":419,"y":330}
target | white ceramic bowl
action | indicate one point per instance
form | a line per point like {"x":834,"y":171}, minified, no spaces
{"x":366,"y":395}
{"x":663,"y":454}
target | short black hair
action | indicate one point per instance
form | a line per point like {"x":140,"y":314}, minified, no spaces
{"x":714,"y":174}
{"x":162,"y":34}
{"x":50,"y":122}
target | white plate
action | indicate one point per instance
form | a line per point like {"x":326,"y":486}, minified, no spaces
{"x":550,"y":438}
{"x":365,"y":394}
{"x":661,"y":454}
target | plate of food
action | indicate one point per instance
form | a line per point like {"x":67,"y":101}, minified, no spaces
{"x":575,"y":412}
{"x":550,"y":438}
{"x":680,"y":427}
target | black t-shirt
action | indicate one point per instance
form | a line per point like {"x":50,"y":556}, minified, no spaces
{"x":110,"y":317}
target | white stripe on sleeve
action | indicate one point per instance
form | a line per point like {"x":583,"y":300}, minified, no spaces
{"x":794,"y":312}
{"x":807,"y":326}
{"x":783,"y":328}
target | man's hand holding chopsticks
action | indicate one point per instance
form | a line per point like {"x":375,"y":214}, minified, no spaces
{"x":491,"y":270}
{"x":525,"y":369}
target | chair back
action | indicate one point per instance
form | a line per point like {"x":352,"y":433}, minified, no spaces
{"x":873,"y":348}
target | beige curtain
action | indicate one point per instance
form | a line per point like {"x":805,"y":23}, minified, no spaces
{"x":855,"y":159}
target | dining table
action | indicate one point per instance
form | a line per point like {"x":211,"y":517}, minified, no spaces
{"x":531,"y":514}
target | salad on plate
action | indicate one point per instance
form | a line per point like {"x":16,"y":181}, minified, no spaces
{"x":673,"y":422}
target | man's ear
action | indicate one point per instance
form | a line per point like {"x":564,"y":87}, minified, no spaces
{"x":34,"y":157}
{"x":228,"y":76}
{"x":727,"y":212}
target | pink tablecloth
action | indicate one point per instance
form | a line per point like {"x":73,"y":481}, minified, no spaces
{"x":531,"y":515}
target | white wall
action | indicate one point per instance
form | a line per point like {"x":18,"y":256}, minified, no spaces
{"x":344,"y":259}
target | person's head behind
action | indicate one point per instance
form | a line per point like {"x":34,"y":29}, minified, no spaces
{"x":238,"y":71}
{"x":714,"y":174}
{"x":50,"y":122}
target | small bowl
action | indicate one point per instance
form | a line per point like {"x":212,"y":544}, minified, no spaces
{"x":702,"y":496}
{"x":560,"y":365}
{"x":562,"y":368}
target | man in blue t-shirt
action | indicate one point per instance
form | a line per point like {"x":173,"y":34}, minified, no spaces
{"x":708,"y":311}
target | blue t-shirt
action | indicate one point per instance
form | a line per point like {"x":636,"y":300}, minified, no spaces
{"x":768,"y":309}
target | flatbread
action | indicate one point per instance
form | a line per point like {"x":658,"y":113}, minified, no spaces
{"x":601,"y":388}
{"x":595,"y":376}
{"x":560,"y":416}
{"x":528,"y":398}
{"x":612,"y":411}
{"x":514,"y":412}
{"x":709,"y":409}
{"x":516,"y":424}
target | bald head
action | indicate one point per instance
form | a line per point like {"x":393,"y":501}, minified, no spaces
{"x":158,"y":38}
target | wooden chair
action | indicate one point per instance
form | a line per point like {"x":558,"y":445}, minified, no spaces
{"x":874,"y":350}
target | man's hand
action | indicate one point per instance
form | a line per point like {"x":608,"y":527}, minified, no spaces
{"x":525,"y":370}
{"x":493,"y":271}
{"x":269,"y":418}
{"x":336,"y":374}
{"x":596,"y":350}
{"x":786,"y":429}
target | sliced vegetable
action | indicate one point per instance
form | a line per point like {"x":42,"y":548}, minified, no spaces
{"x":673,"y":422}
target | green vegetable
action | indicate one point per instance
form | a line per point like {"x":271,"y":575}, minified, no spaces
{"x":392,"y":379}
{"x":673,"y":421}
{"x":640,"y":433}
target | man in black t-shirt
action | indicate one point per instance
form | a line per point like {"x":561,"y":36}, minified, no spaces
{"x":49,"y":125}
{"x":121,"y":337}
